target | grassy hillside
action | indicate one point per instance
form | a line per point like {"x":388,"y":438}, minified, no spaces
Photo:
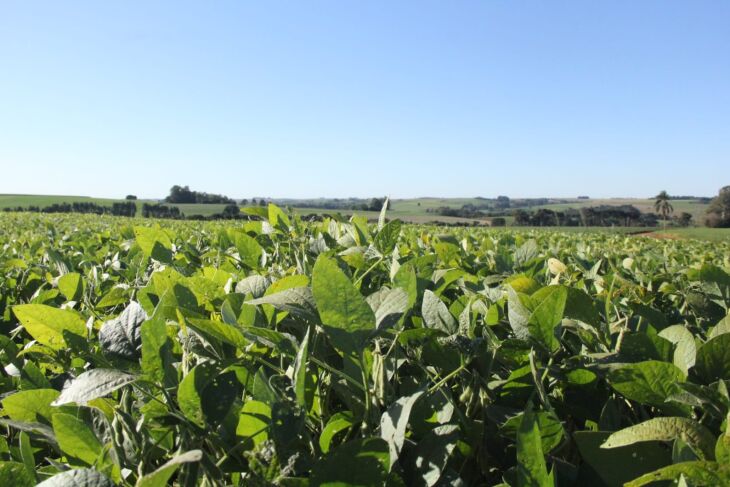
{"x":414,"y":210}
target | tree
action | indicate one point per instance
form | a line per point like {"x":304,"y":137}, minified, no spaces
{"x":262,"y":202}
{"x":130,"y":197}
{"x":663,"y":206}
{"x":231,"y":211}
{"x":684,"y":219}
{"x":718,"y":213}
{"x":244,"y":202}
{"x":503,"y":202}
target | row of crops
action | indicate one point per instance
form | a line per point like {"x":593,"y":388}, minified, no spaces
{"x":343,"y":353}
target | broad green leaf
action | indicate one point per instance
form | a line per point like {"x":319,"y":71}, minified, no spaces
{"x":616,"y":466}
{"x":254,"y":285}
{"x":393,"y":424}
{"x":699,"y":438}
{"x":546,"y":317}
{"x":713,"y":359}
{"x":31,"y":406}
{"x":518,"y":312}
{"x":249,"y":250}
{"x":190,"y":390}
{"x":48,"y":325}
{"x":338,"y":422}
{"x":154,"y":242}
{"x":71,"y":285}
{"x":432,"y":454}
{"x":685,"y":351}
{"x":346,"y":316}
{"x":531,"y":467}
{"x":362,"y":462}
{"x":161,"y":476}
{"x":391,"y":308}
{"x":157,"y":353}
{"x":698,"y":473}
{"x":83,"y":477}
{"x":278,"y":219}
{"x":650,"y":382}
{"x":436,"y":315}
{"x":122,"y":336}
{"x":93,"y":384}
{"x":76,"y":439}
{"x":298,"y":301}
{"x":15,"y":474}
{"x":387,"y":237}
{"x":551,"y":430}
{"x":254,"y":421}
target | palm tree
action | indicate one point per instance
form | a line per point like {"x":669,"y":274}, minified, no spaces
{"x":663,"y":206}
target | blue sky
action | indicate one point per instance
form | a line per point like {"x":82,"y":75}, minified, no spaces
{"x":345,"y":98}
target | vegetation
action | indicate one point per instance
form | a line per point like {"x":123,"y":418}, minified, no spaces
{"x":277,"y":352}
{"x":718,"y":213}
{"x":183,"y":194}
{"x":663,"y":206}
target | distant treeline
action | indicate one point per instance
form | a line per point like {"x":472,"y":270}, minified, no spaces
{"x":360,"y":204}
{"x":129,"y":208}
{"x":183,"y":194}
{"x":593,"y":216}
{"x":117,"y":209}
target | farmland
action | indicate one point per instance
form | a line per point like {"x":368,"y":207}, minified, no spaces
{"x":411,"y":210}
{"x":277,"y":352}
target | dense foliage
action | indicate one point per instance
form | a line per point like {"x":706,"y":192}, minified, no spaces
{"x":276,"y":352}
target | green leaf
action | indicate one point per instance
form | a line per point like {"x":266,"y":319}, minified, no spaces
{"x":157,"y":353}
{"x":650,"y":382}
{"x":390,"y":308}
{"x":432,"y":454}
{"x":31,"y":406}
{"x":547,"y":316}
{"x":300,"y":371}
{"x":713,"y":359}
{"x":191,"y":388}
{"x":393,"y":424}
{"x":338,"y":422}
{"x":249,"y":250}
{"x":387,"y":237}
{"x":47,"y":325}
{"x":122,"y":336}
{"x":298,"y":301}
{"x":551,"y":430}
{"x":616,"y":466}
{"x":699,"y":438}
{"x":254,"y":421}
{"x":362,"y":462}
{"x":76,"y":439}
{"x":93,"y":384}
{"x":154,"y":242}
{"x":15,"y":474}
{"x":698,"y":473}
{"x":531,"y":467}
{"x":436,"y":315}
{"x":71,"y":285}
{"x":84,"y":477}
{"x":278,"y":219}
{"x":685,"y":351}
{"x":26,"y":453}
{"x":161,"y":476}
{"x":346,"y":316}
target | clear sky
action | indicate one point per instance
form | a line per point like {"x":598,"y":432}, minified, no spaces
{"x":362,"y":98}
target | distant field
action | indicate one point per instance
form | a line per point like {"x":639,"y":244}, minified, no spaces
{"x":697,"y":210}
{"x":25,"y":200}
{"x":415,"y":211}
